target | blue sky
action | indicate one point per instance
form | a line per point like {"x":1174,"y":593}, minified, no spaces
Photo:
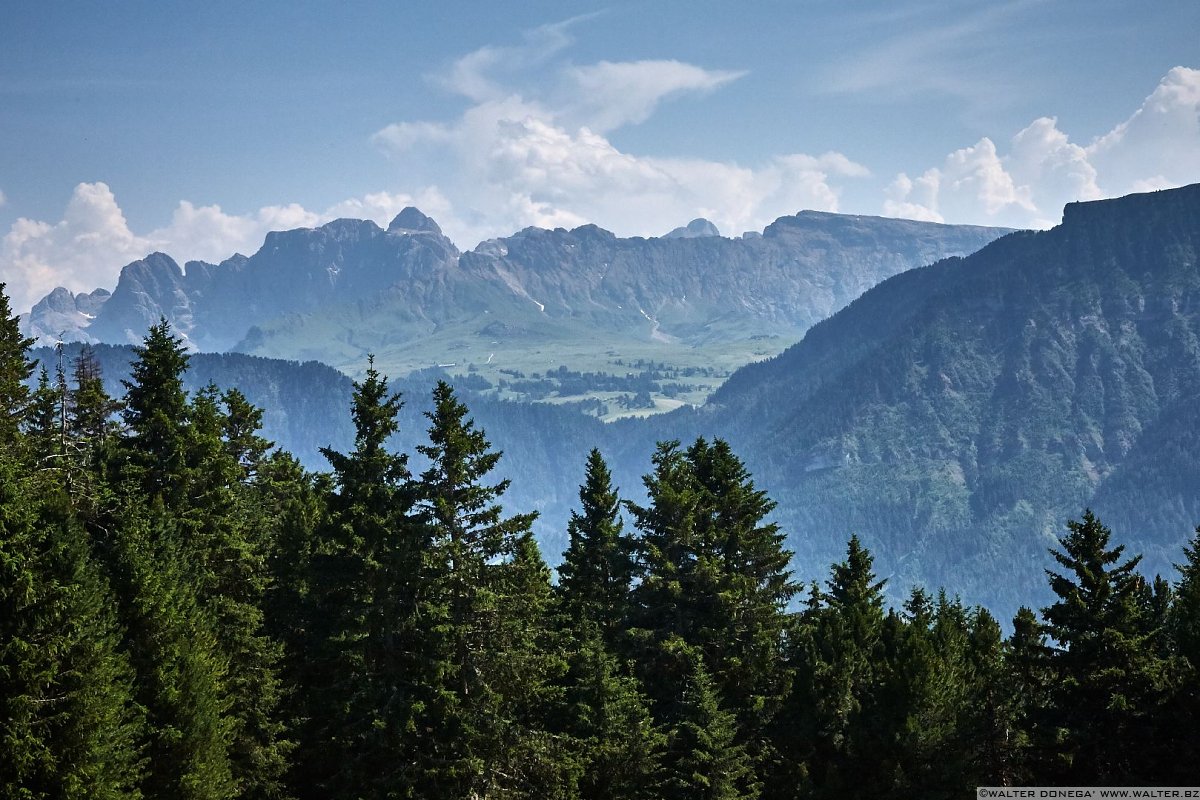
{"x":194,"y":128}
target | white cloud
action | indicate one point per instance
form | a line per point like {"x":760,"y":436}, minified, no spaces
{"x":971,"y":181}
{"x":91,"y":240}
{"x":534,"y":150}
{"x":1159,"y":145}
{"x":88,"y":246}
{"x":1156,"y":148}
{"x":472,"y":75}
{"x":607,"y":95}
{"x":3,"y":199}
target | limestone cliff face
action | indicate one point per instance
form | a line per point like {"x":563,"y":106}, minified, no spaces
{"x":691,"y":285}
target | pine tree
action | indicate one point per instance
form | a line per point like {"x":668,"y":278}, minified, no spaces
{"x":745,"y":653}
{"x":839,"y":676}
{"x":242,"y":422}
{"x":487,"y":590}
{"x":180,"y":669}
{"x":42,"y":425}
{"x":1107,"y":680}
{"x":166,"y":535}
{"x":369,"y":587}
{"x":702,"y":758}
{"x":713,"y":573}
{"x":228,"y":553}
{"x":90,"y":410}
{"x":597,"y":568}
{"x":620,"y":747}
{"x":1182,"y":733}
{"x":1027,"y":684}
{"x":155,"y":412}
{"x":15,"y":369}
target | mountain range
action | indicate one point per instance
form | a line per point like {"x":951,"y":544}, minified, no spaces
{"x":528,"y":303}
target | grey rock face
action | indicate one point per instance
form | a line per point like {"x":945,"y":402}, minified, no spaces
{"x":411,"y":278}
{"x":63,"y":316}
{"x":695,"y":229}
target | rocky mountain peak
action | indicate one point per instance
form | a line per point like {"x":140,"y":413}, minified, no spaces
{"x":411,"y":221}
{"x":695,"y":229}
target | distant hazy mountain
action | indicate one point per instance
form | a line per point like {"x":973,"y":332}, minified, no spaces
{"x":956,"y":415}
{"x":534,"y":300}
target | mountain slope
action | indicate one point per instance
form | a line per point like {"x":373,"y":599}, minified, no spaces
{"x":956,"y":415}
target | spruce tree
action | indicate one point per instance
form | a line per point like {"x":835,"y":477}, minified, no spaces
{"x":745,"y":654}
{"x":619,"y":745}
{"x":226,"y":548}
{"x":155,"y":412}
{"x":1107,"y":679}
{"x":369,"y":589}
{"x":166,"y":537}
{"x":702,"y":758}
{"x":180,"y":670}
{"x":487,"y":587}
{"x":1027,"y":685}
{"x":242,"y":422}
{"x":714,"y":574}
{"x":1182,"y":739}
{"x":42,"y":424}
{"x":90,"y":410}
{"x":840,"y":675}
{"x":15,"y":369}
{"x":597,"y":568}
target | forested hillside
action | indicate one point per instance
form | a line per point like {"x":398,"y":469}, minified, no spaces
{"x":956,"y":415}
{"x":185,"y":613}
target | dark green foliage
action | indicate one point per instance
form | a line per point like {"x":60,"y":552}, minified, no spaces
{"x":15,"y":369}
{"x":492,"y":593}
{"x":367,"y":591}
{"x":179,"y":668}
{"x":596,"y":573}
{"x":186,"y":614}
{"x":702,"y":758}
{"x":69,"y":727}
{"x":714,"y":576}
{"x":839,"y":730}
{"x":1106,"y":678}
{"x":619,"y":745}
{"x":91,"y":410}
{"x":154,"y":447}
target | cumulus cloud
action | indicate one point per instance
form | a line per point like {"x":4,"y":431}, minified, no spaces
{"x":1159,"y":145}
{"x":534,"y":150}
{"x":971,"y":180}
{"x":88,"y":246}
{"x":1156,"y":148}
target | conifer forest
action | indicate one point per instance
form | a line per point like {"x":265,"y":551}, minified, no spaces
{"x":186,"y":612}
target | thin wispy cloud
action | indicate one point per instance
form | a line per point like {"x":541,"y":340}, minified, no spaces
{"x":941,"y":49}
